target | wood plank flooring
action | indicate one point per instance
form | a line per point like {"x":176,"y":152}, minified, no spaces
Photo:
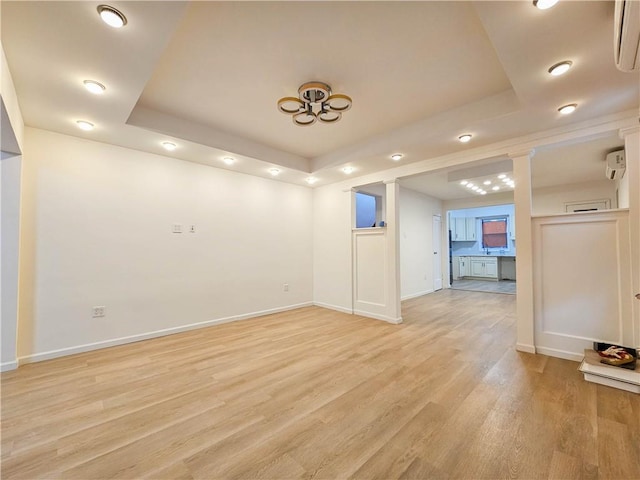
{"x":502,"y":286}
{"x":314,"y":393}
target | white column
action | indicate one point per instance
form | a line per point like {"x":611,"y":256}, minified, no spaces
{"x":524,"y":247}
{"x":631,"y":138}
{"x":393,"y":250}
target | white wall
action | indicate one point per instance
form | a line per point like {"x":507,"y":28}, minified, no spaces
{"x":10,"y":225}
{"x":622,"y":187}
{"x":416,"y":242}
{"x":97,"y":230}
{"x":332,"y":263}
{"x":551,"y":200}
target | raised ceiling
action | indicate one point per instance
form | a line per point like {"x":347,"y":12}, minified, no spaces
{"x":207,"y":75}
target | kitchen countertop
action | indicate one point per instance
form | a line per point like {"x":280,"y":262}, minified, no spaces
{"x":489,"y":256}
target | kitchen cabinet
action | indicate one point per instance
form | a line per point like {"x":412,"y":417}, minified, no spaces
{"x":463,"y":267}
{"x":463,"y":229}
{"x":482,"y":267}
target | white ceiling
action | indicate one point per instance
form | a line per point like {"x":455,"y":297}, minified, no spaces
{"x":208,"y":75}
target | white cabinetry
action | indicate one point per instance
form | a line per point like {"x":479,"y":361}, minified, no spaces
{"x":463,"y":267}
{"x":482,"y":267}
{"x":463,"y":229}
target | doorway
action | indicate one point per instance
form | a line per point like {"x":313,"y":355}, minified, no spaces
{"x":437,"y":252}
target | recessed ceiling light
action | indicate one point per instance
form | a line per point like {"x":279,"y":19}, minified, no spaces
{"x":311,"y":180}
{"x":229,"y":160}
{"x":567,"y":109}
{"x":169,"y":146}
{"x":483,"y":192}
{"x":506,"y":180}
{"x":501,"y":176}
{"x":274,"y":171}
{"x":111,"y":16}
{"x":487,"y":182}
{"x":560,"y":68}
{"x":463,"y":182}
{"x":396,"y":156}
{"x":496,"y":188}
{"x":348,"y":170}
{"x":469,"y":185}
{"x":84,"y":125}
{"x":475,"y":188}
{"x":94,"y":87}
{"x":544,"y":4}
{"x":465,"y":138}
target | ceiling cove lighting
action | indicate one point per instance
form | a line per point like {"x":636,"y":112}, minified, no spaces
{"x":396,"y":157}
{"x":169,"y":146}
{"x":94,"y":87}
{"x":560,"y":68}
{"x":274,"y":171}
{"x":315,"y":102}
{"x":544,"y":4}
{"x":84,"y":125}
{"x":229,"y":160}
{"x":567,"y":109}
{"x":348,"y":170}
{"x":112,"y":16}
{"x":464,"y":138}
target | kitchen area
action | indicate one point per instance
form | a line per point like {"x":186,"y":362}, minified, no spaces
{"x":482,"y":249}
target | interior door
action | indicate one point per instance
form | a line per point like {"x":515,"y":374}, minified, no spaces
{"x":437,"y":252}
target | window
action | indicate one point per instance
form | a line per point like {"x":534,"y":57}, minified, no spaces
{"x":494,"y":233}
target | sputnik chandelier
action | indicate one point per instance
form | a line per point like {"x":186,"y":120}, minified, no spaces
{"x":316,"y":102}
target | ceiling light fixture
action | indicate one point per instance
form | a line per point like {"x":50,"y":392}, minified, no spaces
{"x":274,"y":171}
{"x":111,"y":16}
{"x":560,"y":68}
{"x":483,"y":192}
{"x":169,"y":146}
{"x":567,"y":109}
{"x":544,"y":4}
{"x":311,"y":180}
{"x":396,"y":156}
{"x":470,"y":185}
{"x":94,"y":87}
{"x":463,"y":182}
{"x":502,"y":175}
{"x":487,"y":182}
{"x":84,"y":125}
{"x":315,"y":102}
{"x":348,"y":170}
{"x":229,"y":160}
{"x":496,"y":188}
{"x":465,"y":138}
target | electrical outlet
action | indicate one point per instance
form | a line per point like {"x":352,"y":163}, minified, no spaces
{"x":99,"y":311}
{"x":177,"y":228}
{"x":192,"y":229}
{"x":286,"y":287}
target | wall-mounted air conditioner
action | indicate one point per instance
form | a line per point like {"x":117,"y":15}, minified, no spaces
{"x":627,"y":35}
{"x":615,"y":165}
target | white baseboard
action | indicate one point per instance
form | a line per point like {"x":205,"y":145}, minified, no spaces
{"x":523,"y":347}
{"x":552,"y":352}
{"x":375,"y":316}
{"x":39,"y":357}
{"x":334,"y":307}
{"x":415,"y":295}
{"x":6,"y":366}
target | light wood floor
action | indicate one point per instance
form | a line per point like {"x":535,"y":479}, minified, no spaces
{"x":502,"y":286}
{"x":316,"y":393}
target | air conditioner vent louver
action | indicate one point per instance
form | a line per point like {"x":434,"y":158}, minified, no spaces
{"x":627,"y":35}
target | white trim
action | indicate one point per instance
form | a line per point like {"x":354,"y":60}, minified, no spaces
{"x":6,"y":366}
{"x":375,"y":316}
{"x":609,"y":382}
{"x":522,"y":347}
{"x":418,"y":294}
{"x":39,"y":357}
{"x":552,"y":352}
{"x":334,"y":307}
